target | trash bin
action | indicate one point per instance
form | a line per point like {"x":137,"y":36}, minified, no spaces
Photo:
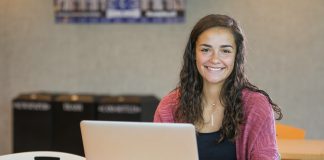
{"x":127,"y":108}
{"x":149,"y":104}
{"x":32,"y":122}
{"x":69,"y":111}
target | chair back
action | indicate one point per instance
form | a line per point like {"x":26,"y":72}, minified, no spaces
{"x":289,"y":132}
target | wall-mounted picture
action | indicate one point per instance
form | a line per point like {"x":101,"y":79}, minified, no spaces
{"x":119,"y":11}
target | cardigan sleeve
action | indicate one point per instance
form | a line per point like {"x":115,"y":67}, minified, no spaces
{"x":157,"y":117}
{"x":164,"y":111}
{"x":265,"y":145}
{"x":260,"y":129}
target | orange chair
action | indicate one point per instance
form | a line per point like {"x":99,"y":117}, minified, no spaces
{"x":289,"y":132}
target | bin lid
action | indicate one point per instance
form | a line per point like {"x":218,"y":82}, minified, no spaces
{"x":34,"y":96}
{"x":121,"y":99}
{"x":75,"y":98}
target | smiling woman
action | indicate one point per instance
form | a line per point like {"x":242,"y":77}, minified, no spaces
{"x":215,"y":55}
{"x":233,"y":118}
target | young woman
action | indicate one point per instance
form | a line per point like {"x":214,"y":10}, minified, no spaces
{"x":234,"y":119}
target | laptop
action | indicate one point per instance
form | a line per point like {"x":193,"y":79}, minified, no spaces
{"x":111,"y":140}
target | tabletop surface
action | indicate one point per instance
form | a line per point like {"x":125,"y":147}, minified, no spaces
{"x":301,"y":149}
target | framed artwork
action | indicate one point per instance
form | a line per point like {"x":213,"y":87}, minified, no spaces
{"x":119,"y":11}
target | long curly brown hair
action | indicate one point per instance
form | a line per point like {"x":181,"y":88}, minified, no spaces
{"x":190,"y":86}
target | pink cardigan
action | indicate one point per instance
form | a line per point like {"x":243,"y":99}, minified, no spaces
{"x":257,"y":140}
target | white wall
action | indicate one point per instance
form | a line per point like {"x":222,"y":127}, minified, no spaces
{"x":285,"y":41}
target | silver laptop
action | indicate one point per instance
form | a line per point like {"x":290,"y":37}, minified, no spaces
{"x":108,"y":140}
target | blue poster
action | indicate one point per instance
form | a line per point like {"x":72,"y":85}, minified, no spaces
{"x":119,"y":11}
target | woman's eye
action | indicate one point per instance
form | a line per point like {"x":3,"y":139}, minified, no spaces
{"x":226,"y":51}
{"x":204,"y":50}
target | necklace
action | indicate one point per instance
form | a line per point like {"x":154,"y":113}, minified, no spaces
{"x":211,"y":119}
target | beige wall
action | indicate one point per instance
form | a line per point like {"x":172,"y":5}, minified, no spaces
{"x":4,"y":101}
{"x":285,"y":41}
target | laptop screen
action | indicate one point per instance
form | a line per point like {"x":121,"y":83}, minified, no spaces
{"x":111,"y":140}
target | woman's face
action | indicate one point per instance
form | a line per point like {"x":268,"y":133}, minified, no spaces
{"x":215,"y":54}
